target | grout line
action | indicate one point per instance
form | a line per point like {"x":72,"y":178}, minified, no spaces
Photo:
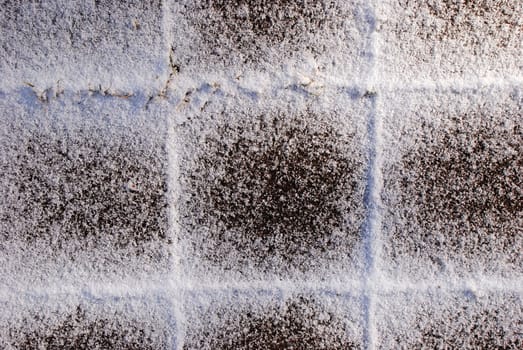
{"x":442,"y":85}
{"x":371,"y":229}
{"x":173,"y":169}
{"x":286,"y":286}
{"x":475,"y":285}
{"x":451,"y":84}
{"x":174,"y":227}
{"x":372,"y":226}
{"x":140,"y":288}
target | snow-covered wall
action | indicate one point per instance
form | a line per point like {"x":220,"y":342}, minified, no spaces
{"x":256,"y":174}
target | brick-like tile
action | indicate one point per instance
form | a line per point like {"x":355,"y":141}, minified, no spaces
{"x":70,"y":323}
{"x":271,"y":321}
{"x":83,"y":188}
{"x":458,"y":320}
{"x":83,"y":43}
{"x":452,"y":191}
{"x":444,"y":39}
{"x":326,"y":37}
{"x":271,"y":188}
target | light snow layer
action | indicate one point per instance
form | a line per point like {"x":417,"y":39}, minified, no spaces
{"x":81,"y":44}
{"x":248,"y":174}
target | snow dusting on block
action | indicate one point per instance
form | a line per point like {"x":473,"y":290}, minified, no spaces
{"x":261,"y":174}
{"x":312,"y":37}
{"x":442,"y":39}
{"x":82,"y":189}
{"x":457,"y":320}
{"x":271,"y":185}
{"x":267,"y":320}
{"x":69,"y":322}
{"x":452,"y":187}
{"x":81,"y":44}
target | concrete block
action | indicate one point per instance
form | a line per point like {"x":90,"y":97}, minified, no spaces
{"x":272,"y":321}
{"x":83,"y":189}
{"x":317,"y":39}
{"x":452,"y":189}
{"x":68,"y":322}
{"x":457,"y":320}
{"x":82,"y":44}
{"x":270,"y":185}
{"x":428,"y":40}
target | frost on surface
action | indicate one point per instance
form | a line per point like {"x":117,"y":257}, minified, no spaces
{"x":300,"y":321}
{"x":81,"y":43}
{"x":452,"y":181}
{"x":256,"y":34}
{"x":82,"y":183}
{"x":438,"y":39}
{"x":77,"y":324}
{"x":274,"y":189}
{"x":290,"y":174}
{"x":460,"y":320}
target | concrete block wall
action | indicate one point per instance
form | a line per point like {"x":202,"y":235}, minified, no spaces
{"x":250,"y":174}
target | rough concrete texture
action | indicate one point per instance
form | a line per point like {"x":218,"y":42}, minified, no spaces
{"x":265,"y":187}
{"x":265,"y":321}
{"x":452,"y":185}
{"x":84,"y":184}
{"x":448,"y":39}
{"x":255,"y":174}
{"x":329,"y":37}
{"x":72,"y":323}
{"x":79,"y":43}
{"x":460,"y":320}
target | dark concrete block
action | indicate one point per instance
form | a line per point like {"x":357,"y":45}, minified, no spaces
{"x":83,"y":186}
{"x":270,"y":188}
{"x":452,"y":186}
{"x":78,"y":324}
{"x":267,"y":321}
{"x":454,"y":320}
{"x":328,"y":36}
